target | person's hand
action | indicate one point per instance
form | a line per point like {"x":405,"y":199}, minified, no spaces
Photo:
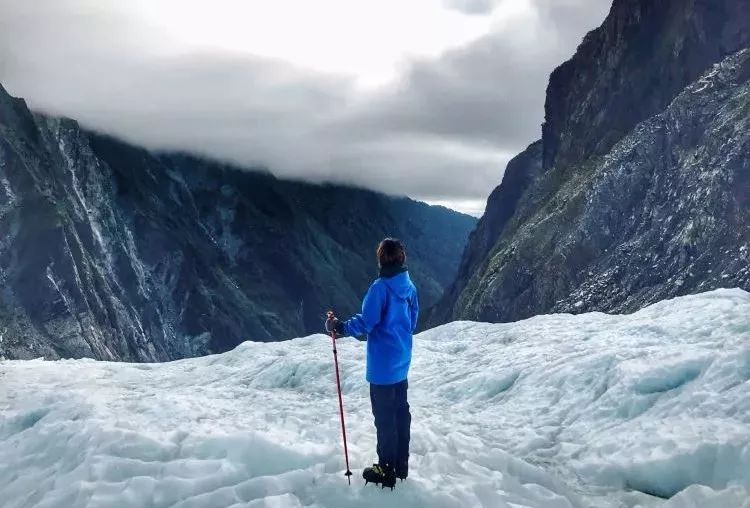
{"x":334,"y":325}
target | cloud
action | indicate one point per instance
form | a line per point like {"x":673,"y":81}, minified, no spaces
{"x":471,"y":6}
{"x":442,"y":131}
{"x":488,"y":93}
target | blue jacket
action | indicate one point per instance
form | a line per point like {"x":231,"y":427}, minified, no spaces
{"x":389,"y":317}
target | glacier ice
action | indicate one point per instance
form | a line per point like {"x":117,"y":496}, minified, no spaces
{"x":591,"y":410}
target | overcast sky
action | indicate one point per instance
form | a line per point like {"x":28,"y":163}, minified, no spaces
{"x":427,"y":98}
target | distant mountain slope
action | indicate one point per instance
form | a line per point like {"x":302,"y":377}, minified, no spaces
{"x":112,"y":252}
{"x":638,"y":189}
{"x":520,"y":174}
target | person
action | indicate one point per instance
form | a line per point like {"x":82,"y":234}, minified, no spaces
{"x":389,"y":318}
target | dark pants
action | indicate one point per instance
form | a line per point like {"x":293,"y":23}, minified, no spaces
{"x":392,"y":421}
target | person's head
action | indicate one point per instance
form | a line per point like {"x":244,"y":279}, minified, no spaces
{"x":391,"y":252}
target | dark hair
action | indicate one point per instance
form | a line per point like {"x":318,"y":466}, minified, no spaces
{"x":391,"y":252}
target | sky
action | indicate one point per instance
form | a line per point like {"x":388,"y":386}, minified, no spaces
{"x":425,"y":98}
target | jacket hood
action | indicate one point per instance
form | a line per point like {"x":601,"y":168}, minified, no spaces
{"x":399,"y":284}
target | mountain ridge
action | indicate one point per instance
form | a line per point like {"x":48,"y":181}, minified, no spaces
{"x":113,"y":252}
{"x":508,"y":275}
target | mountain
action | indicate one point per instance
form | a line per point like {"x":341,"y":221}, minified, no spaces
{"x":112,"y":252}
{"x":638,"y":189}
{"x":556,"y":411}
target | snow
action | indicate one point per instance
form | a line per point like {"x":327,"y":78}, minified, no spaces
{"x":10,"y":196}
{"x":556,"y":411}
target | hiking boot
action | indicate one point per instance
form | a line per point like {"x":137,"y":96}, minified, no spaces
{"x":384,"y":476}
{"x":402,"y":471}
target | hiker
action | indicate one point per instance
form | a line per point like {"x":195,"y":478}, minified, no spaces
{"x":388,"y":319}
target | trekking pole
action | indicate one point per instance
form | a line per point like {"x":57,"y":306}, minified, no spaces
{"x":348,"y":473}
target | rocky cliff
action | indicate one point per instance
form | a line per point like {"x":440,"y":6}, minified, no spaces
{"x":112,"y":252}
{"x":638,"y":190}
{"x":632,"y":67}
{"x":520,"y":174}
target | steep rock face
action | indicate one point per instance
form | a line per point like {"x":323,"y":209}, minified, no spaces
{"x":521,"y":172}
{"x":623,"y":75}
{"x":60,"y":292}
{"x":664,"y":213}
{"x":111,"y":252}
{"x":631,"y":67}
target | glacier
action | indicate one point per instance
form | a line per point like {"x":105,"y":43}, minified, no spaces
{"x":650,"y":409}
